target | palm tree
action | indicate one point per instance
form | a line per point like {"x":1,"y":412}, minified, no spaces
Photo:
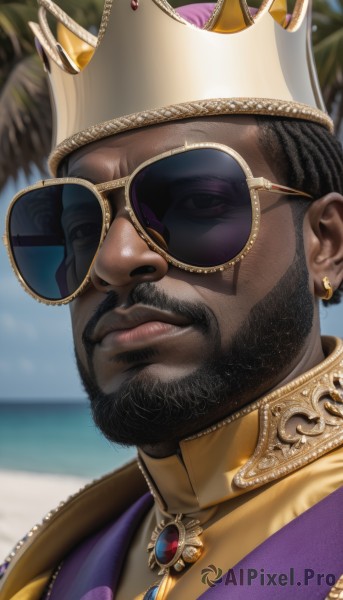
{"x":25,"y":115}
{"x":328,"y":51}
{"x":23,"y":99}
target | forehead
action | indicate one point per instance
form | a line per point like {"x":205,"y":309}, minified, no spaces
{"x":119,"y":155}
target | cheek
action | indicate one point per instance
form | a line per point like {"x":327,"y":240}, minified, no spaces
{"x":271,"y":256}
{"x":231,"y":295}
{"x":81,"y":310}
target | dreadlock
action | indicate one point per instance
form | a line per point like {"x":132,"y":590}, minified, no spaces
{"x":307,"y":157}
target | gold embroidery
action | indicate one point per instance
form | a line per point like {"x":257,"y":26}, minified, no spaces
{"x":297,"y":427}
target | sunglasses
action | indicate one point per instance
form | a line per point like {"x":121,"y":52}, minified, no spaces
{"x":197,"y":206}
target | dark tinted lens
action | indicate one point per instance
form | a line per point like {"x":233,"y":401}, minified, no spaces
{"x":54,"y":235}
{"x":195,"y":205}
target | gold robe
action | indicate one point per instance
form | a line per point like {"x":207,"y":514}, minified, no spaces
{"x":243,"y":479}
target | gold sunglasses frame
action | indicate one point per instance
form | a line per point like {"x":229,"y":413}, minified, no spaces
{"x":255,"y":184}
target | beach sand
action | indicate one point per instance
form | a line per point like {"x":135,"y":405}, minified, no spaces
{"x":24,"y":500}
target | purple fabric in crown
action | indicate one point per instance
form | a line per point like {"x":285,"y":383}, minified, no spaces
{"x":197,"y":14}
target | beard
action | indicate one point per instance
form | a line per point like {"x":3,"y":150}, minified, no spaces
{"x":146,"y":411}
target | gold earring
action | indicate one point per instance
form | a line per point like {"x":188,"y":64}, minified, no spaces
{"x":328,"y":289}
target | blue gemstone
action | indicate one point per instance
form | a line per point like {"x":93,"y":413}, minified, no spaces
{"x":152,"y":593}
{"x":167,"y":544}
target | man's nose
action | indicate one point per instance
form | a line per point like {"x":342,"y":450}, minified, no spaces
{"x":125,"y":258}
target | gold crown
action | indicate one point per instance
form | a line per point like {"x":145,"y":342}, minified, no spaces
{"x":149,"y":65}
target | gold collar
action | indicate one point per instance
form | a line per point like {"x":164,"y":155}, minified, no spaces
{"x":261,"y":443}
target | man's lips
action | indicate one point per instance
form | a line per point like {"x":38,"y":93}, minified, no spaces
{"x":144,"y":333}
{"x":134,"y":325}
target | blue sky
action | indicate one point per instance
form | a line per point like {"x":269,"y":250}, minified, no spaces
{"x":36,"y":352}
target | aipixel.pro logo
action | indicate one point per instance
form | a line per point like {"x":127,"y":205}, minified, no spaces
{"x":212,"y":575}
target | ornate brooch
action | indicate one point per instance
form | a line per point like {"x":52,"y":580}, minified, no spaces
{"x":173,"y":544}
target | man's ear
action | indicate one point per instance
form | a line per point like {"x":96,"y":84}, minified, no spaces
{"x":323,"y":236}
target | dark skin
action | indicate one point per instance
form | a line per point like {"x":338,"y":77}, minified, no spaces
{"x":125,"y":260}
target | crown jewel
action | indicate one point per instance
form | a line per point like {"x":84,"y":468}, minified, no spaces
{"x":150,"y":64}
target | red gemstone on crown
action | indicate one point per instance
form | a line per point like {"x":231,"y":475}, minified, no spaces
{"x":167,"y":544}
{"x":134,"y":4}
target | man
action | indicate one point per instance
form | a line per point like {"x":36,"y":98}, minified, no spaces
{"x":194,"y":254}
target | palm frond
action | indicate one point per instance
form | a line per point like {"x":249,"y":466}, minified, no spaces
{"x":25,"y":120}
{"x":14,"y":18}
{"x":329,"y":52}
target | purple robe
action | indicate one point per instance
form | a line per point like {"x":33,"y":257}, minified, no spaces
{"x":302,"y":560}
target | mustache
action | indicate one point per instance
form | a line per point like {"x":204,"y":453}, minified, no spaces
{"x":149,"y":294}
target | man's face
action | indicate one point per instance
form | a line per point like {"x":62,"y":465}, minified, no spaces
{"x":163,"y":352}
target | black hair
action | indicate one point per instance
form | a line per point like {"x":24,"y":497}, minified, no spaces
{"x":307,"y":157}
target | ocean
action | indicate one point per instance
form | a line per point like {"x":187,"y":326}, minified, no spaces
{"x":55,"y":437}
